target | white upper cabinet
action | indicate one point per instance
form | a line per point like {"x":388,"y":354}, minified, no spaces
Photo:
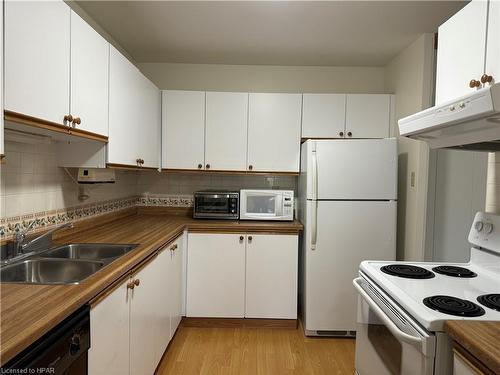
{"x":134,"y":115}
{"x":149,"y":126}
{"x":368,"y":116}
{"x":274,"y":122}
{"x":461,"y":51}
{"x":323,"y":115}
{"x":183,"y":124}
{"x":37,"y":59}
{"x":89,"y":77}
{"x":492,"y":65}
{"x":226,"y":130}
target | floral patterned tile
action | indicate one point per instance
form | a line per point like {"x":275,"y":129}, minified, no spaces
{"x":11,"y":225}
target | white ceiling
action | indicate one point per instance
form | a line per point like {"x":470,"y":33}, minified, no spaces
{"x":358,"y":33}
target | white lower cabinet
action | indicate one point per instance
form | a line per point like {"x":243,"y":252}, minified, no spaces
{"x":242,"y":275}
{"x":271,"y":276}
{"x":109,"y":334}
{"x":216,"y":275}
{"x":132,"y":326}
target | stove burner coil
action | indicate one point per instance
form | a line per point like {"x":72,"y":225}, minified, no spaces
{"x":453,"y":306}
{"x":407,"y":271}
{"x":490,"y":300}
{"x":454,"y":271}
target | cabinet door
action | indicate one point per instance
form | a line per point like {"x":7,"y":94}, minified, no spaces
{"x":183,"y":129}
{"x":368,"y":116}
{"x":274,"y":132}
{"x":492,"y":66}
{"x":109,"y":334}
{"x":149,"y":127}
{"x":37,"y":58}
{"x":124,"y":115}
{"x":461,"y":49}
{"x":271,"y":276}
{"x":143,"y":320}
{"x":163,"y":301}
{"x":216,"y":276}
{"x":323,"y":115}
{"x":89,"y":77}
{"x":226,"y":131}
{"x":176,"y":280}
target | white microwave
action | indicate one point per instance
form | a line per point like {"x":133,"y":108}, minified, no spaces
{"x":266,"y":205}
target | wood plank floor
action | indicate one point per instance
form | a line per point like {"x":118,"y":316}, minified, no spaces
{"x":255,"y":351}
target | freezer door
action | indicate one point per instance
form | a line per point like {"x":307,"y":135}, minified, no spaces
{"x":352,"y":169}
{"x":347,"y":232}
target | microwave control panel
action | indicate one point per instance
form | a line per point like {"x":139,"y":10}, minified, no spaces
{"x":288,"y":203}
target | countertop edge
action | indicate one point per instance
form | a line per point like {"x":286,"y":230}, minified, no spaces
{"x":460,"y":332}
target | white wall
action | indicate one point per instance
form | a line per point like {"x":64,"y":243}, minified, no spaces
{"x":265,"y":78}
{"x":409,"y":76}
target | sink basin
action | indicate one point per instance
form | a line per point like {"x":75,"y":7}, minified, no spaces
{"x":104,"y":252}
{"x":49,"y":271}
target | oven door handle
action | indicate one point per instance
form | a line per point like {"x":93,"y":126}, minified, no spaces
{"x":400,"y":335}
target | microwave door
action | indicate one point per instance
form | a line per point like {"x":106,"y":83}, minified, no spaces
{"x":261,"y":205}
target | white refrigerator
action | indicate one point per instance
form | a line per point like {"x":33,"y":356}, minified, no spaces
{"x":348,"y":205}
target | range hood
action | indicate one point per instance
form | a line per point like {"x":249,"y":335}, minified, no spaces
{"x":471,"y":122}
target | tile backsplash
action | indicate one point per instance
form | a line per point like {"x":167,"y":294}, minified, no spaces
{"x":31,"y":182}
{"x":184,"y":184}
{"x":32,"y":185}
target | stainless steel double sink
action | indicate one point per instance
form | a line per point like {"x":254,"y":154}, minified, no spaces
{"x":68,"y":264}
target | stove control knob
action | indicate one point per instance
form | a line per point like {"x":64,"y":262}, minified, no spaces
{"x":488,"y":228}
{"x":478,"y":225}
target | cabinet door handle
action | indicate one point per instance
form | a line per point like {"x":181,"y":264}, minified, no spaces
{"x":200,"y":166}
{"x":67,"y":118}
{"x":485,"y":78}
{"x":250,"y":167}
{"x":473,"y":83}
{"x":207,"y":166}
{"x":77,"y":121}
{"x":242,"y":238}
{"x":173,"y":247}
{"x":250,"y":238}
{"x":137,"y":282}
{"x":131,"y":285}
{"x":349,"y":134}
{"x":341,"y":134}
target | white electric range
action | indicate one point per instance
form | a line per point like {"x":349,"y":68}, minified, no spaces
{"x":402,"y":306}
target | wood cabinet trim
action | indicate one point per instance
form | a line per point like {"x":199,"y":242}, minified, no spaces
{"x":129,"y":167}
{"x":52,"y":126}
{"x":117,"y":283}
{"x":214,"y":171}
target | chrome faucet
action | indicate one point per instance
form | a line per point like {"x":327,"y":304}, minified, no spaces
{"x":20,"y":244}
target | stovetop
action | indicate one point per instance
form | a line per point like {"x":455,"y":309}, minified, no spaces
{"x":483,"y":279}
{"x":435,"y":292}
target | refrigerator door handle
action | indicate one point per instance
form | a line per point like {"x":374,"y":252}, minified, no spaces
{"x":314,"y":226}
{"x":315,"y":174}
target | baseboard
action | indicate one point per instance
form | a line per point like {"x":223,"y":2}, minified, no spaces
{"x":239,"y":323}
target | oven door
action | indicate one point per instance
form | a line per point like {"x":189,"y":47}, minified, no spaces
{"x":388,"y":341}
{"x":261,"y":205}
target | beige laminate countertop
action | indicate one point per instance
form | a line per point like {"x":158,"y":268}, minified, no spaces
{"x":27,"y":311}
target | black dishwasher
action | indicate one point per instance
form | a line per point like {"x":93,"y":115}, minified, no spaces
{"x":63,"y":350}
